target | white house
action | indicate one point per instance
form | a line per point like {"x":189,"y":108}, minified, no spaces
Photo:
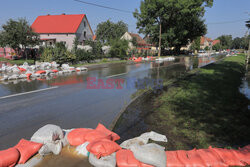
{"x":63,"y":28}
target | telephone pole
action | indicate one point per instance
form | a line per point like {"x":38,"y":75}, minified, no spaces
{"x":159,"y":53}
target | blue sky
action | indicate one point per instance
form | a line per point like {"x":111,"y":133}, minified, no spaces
{"x":222,"y":11}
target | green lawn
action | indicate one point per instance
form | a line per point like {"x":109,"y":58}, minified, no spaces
{"x":205,"y":109}
{"x":101,"y":62}
{"x":17,"y":62}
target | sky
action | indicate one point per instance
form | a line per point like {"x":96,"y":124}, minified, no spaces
{"x":226,"y":17}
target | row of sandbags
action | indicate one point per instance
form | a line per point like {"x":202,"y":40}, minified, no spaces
{"x":36,"y":71}
{"x":102,"y":151}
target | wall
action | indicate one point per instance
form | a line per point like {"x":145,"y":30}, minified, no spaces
{"x":87,"y":29}
{"x":127,"y":37}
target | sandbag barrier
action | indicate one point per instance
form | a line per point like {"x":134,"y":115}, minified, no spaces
{"x":43,"y":69}
{"x":102,"y":151}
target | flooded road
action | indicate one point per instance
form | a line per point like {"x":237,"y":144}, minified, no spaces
{"x":71,"y":104}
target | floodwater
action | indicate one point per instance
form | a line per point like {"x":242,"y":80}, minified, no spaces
{"x":70,"y":103}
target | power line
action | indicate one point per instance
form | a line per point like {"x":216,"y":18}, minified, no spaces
{"x":106,"y":7}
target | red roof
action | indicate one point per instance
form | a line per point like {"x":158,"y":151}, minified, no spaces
{"x":57,"y":23}
{"x":215,"y":42}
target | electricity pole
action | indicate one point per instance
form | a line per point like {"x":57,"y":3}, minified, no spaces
{"x":159,"y":53}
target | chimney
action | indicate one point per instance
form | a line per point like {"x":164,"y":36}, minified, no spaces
{"x":48,"y":14}
{"x":63,"y":13}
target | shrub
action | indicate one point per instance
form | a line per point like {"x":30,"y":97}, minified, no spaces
{"x":119,"y":48}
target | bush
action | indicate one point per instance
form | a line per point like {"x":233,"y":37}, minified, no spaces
{"x":82,"y":55}
{"x":119,"y":49}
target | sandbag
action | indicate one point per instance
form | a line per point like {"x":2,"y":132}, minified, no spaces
{"x":102,"y":148}
{"x":32,"y":162}
{"x":103,"y":129}
{"x":173,"y":160}
{"x":107,"y":161}
{"x":27,"y":149}
{"x":190,"y":158}
{"x":152,"y":154}
{"x":9,"y":157}
{"x":48,"y":133}
{"x":125,"y":158}
{"x":243,"y":154}
{"x":96,"y":135}
{"x":82,"y":149}
{"x":228,"y":156}
{"x":65,"y":141}
{"x":48,"y":148}
{"x":76,"y":137}
{"x":143,"y":139}
{"x":210,"y":158}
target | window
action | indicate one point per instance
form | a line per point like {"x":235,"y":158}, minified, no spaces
{"x":50,"y":43}
{"x":48,"y":34}
{"x":80,"y":43}
{"x":84,"y":24}
{"x":84,"y":34}
{"x":67,"y":34}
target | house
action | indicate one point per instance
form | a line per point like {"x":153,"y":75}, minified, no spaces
{"x":141,"y":43}
{"x":63,"y":28}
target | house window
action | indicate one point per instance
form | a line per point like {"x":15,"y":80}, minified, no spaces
{"x":84,"y":24}
{"x":67,"y":34}
{"x":48,"y":34}
{"x":50,"y":43}
{"x":84,"y":34}
{"x":80,"y":43}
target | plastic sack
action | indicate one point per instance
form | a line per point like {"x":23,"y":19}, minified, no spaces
{"x":143,"y":139}
{"x":48,"y":133}
{"x":32,"y":162}
{"x":125,"y":158}
{"x":103,"y":129}
{"x":152,"y":154}
{"x":243,"y":154}
{"x":65,"y":141}
{"x":54,"y":148}
{"x":228,"y":156}
{"x":102,"y":148}
{"x":9,"y":157}
{"x":210,"y":158}
{"x":190,"y":158}
{"x":76,"y":137}
{"x":82,"y":149}
{"x":27,"y":149}
{"x":96,"y":135}
{"x":108,"y":161}
{"x":173,"y":160}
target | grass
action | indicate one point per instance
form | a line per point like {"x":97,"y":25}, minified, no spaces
{"x":206,"y":109}
{"x":104,"y":61}
{"x":17,"y":62}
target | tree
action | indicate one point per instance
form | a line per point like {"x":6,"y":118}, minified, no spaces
{"x":75,"y":44}
{"x":134,"y":41}
{"x":181,"y":20}
{"x":119,"y":48}
{"x":226,"y":41}
{"x":195,"y":46}
{"x":107,"y":31}
{"x":18,"y":33}
{"x":217,"y":47}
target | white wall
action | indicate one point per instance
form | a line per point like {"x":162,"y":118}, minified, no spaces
{"x":67,"y":38}
{"x":82,"y":28}
{"x":128,"y":37}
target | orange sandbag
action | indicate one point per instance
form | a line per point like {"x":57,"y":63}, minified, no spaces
{"x":190,"y":158}
{"x":28,"y":75}
{"x":102,"y":148}
{"x":41,"y":72}
{"x":210,"y":158}
{"x":228,"y":156}
{"x":55,"y":71}
{"x":125,"y":158}
{"x":96,"y":135}
{"x":102,"y":128}
{"x":172,"y":159}
{"x":243,"y":154}
{"x":21,"y":69}
{"x":9,"y":158}
{"x":77,"y":136}
{"x":27,"y":149}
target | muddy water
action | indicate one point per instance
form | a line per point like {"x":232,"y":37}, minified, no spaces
{"x":67,"y":158}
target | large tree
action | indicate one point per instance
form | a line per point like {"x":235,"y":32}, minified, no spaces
{"x":181,"y":20}
{"x":18,"y":33}
{"x":108,"y":31}
{"x":226,"y":41}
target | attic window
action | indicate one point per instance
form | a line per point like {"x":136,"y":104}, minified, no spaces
{"x":48,"y":34}
{"x":84,"y":34}
{"x":84,"y":24}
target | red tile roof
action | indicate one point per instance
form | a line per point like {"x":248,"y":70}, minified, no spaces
{"x":215,"y":42}
{"x":57,"y":23}
{"x":139,"y":39}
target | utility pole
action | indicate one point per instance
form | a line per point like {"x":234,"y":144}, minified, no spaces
{"x":159,"y":53}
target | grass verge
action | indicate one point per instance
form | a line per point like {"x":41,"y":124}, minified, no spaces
{"x":17,"y":62}
{"x":101,"y":62}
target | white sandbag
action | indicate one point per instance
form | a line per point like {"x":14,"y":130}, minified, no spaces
{"x":108,"y":161}
{"x":82,"y":149}
{"x":143,"y":139}
{"x":48,"y":133}
{"x":65,"y":141}
{"x":32,"y":162}
{"x":152,"y":154}
{"x":49,"y":147}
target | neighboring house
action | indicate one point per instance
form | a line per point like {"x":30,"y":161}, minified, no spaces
{"x":141,"y":43}
{"x":63,"y":28}
{"x":206,"y":42}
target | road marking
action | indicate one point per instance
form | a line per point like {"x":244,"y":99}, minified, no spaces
{"x":116,"y":75}
{"x":35,"y":91}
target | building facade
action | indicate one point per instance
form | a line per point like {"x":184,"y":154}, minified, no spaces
{"x":63,"y":28}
